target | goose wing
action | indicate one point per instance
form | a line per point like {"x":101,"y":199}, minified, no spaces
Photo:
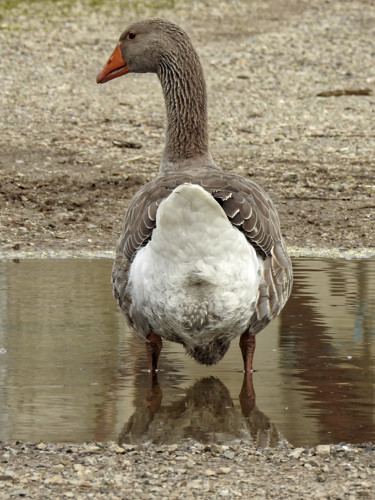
{"x":247,"y":207}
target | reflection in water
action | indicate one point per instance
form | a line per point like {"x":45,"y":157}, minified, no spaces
{"x":333,"y":361}
{"x":60,"y":334}
{"x":70,"y":370}
{"x":206,"y":413}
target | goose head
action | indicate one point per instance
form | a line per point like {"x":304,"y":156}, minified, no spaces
{"x":143,"y":47}
{"x":162,"y":47}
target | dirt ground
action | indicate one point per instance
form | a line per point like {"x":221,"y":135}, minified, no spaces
{"x":291,"y":104}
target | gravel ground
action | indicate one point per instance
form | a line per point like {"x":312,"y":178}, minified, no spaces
{"x":109,"y":471}
{"x":291,"y":104}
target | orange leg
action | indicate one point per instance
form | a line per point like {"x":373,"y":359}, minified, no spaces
{"x":247,"y":394}
{"x":154,"y":345}
{"x":154,"y":393}
{"x":247,"y":345}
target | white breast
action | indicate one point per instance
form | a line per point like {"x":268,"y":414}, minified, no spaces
{"x":198,"y":278}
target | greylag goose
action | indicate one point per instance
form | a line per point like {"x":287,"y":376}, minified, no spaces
{"x":201,"y":259}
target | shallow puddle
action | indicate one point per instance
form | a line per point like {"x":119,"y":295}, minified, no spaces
{"x":71,"y":371}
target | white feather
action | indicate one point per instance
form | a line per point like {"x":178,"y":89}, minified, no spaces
{"x":198,"y":278}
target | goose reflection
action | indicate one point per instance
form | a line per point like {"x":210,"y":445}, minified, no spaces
{"x":206,"y":413}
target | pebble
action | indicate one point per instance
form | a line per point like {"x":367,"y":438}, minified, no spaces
{"x":323,"y":449}
{"x":90,"y":448}
{"x":210,"y":472}
{"x":224,"y":470}
{"x":296,"y":453}
{"x":115,"y":448}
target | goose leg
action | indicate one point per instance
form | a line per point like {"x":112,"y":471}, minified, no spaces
{"x":247,"y":394}
{"x":247,"y":345}
{"x":154,"y":393}
{"x":154,"y":345}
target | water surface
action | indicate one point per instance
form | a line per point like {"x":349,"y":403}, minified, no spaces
{"x":71,"y":370}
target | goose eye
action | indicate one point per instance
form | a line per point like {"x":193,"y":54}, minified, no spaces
{"x":131,"y":36}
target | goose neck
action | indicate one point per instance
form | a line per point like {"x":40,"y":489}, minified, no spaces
{"x":184,"y":90}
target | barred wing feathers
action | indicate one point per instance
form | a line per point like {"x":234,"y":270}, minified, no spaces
{"x":247,"y":207}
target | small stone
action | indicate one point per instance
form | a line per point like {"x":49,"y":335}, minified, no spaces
{"x":85,"y":484}
{"x":210,"y":472}
{"x":224,"y":493}
{"x":196,"y":484}
{"x":290,"y":176}
{"x":90,"y":448}
{"x":367,"y":484}
{"x":66,"y":463}
{"x":323,"y":449}
{"x":19,"y":493}
{"x":296,"y":453}
{"x":127,"y":144}
{"x":115,"y":448}
{"x":314,"y":463}
{"x":128,"y":447}
{"x":56,"y":479}
{"x":90,"y":460}
{"x":6,"y":477}
{"x":224,"y":470}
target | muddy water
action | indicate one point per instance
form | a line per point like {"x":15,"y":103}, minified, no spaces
{"x":70,"y":369}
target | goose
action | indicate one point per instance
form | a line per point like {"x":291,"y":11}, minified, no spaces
{"x":201,"y":258}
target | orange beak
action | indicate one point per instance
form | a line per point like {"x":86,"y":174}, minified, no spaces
{"x":114,"y":67}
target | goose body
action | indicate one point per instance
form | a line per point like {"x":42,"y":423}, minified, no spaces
{"x":201,"y":259}
{"x":199,"y":288}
